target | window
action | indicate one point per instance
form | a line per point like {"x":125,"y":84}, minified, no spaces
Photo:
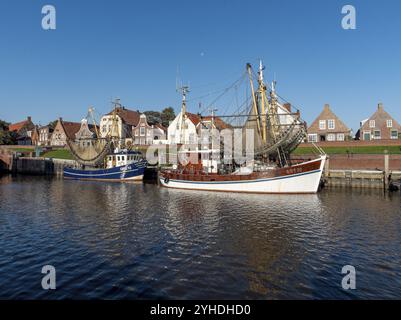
{"x":136,"y":132}
{"x":389,"y":123}
{"x":340,"y":137}
{"x":191,"y":138}
{"x":312,"y":137}
{"x":331,"y":137}
{"x":142,"y":131}
{"x":394,"y":134}
{"x":104,"y":129}
{"x":366,"y":136}
{"x":331,"y":124}
{"x":118,"y":158}
{"x":322,"y":125}
{"x":372,"y":123}
{"x":377,"y":135}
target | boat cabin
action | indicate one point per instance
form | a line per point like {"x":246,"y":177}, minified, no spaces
{"x":123,"y":158}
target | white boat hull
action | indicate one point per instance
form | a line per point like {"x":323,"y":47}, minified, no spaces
{"x":306,"y":182}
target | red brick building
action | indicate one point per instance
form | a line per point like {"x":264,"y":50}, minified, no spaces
{"x":23,"y":130}
{"x":380,"y":126}
{"x":328,"y":127}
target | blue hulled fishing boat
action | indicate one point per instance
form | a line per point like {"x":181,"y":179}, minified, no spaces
{"x":105,"y":155}
{"x":120,"y":166}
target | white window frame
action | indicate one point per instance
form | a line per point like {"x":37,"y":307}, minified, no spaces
{"x":312,"y":137}
{"x":329,"y":126}
{"x":377,"y":137}
{"x":389,"y":123}
{"x":322,"y":124}
{"x":142,"y":131}
{"x":372,"y":123}
{"x":369,"y":133}
{"x":391,"y":135}
{"x":340,"y":137}
{"x":331,"y":137}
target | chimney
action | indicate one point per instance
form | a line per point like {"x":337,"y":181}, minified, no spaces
{"x":287,"y":106}
{"x":326,"y":106}
{"x":380,"y":106}
{"x":29,"y":118}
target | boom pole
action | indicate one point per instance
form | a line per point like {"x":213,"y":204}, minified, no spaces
{"x":255,"y":105}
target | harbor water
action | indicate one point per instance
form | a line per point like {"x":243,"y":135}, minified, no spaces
{"x":141,"y":241}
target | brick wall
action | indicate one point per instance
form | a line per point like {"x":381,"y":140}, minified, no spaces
{"x":354,"y":143}
{"x":359,"y":161}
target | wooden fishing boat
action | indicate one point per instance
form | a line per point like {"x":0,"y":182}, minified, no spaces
{"x":277,"y":132}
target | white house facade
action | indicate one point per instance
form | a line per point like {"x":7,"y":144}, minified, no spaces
{"x":183,"y":131}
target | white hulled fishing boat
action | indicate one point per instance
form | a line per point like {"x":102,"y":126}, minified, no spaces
{"x":277,"y":132}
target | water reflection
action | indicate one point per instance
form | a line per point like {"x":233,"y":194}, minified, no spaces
{"x":112,"y":240}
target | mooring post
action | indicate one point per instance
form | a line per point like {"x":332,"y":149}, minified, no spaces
{"x":386,"y":169}
{"x":327,"y":168}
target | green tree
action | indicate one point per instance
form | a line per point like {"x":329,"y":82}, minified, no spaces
{"x":52,"y":124}
{"x":167,"y":115}
{"x":153,"y":117}
{"x":6,"y":137}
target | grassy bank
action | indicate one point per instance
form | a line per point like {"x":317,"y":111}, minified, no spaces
{"x":22,"y":150}
{"x":353,"y":150}
{"x":59,"y":154}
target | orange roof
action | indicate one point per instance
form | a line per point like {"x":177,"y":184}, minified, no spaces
{"x":18,"y":126}
{"x":219,"y":123}
{"x":193,"y":117}
{"x":71,"y":128}
{"x":129,"y":117}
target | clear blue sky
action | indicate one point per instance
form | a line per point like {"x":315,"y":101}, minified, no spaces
{"x":131,"y":49}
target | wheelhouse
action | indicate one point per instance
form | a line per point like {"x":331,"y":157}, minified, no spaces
{"x":123,"y":159}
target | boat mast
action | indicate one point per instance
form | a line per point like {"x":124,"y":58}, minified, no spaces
{"x":91,"y":113}
{"x":113,"y":130}
{"x":262,"y":92}
{"x":255,"y":105}
{"x":275,"y":124}
{"x":184,"y":91}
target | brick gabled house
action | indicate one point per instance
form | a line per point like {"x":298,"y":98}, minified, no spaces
{"x":380,"y":126}
{"x":74,"y":131}
{"x":328,"y":127}
{"x":62,"y":131}
{"x":145,"y":133}
{"x":23,"y":131}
